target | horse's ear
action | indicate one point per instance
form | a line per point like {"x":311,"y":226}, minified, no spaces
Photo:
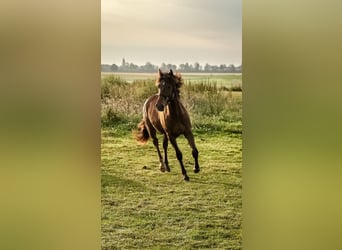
{"x":160,"y":73}
{"x":171,"y":72}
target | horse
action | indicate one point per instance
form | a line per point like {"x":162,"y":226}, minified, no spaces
{"x":164,"y":113}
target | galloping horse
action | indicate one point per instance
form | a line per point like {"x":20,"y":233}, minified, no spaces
{"x":163,"y":112}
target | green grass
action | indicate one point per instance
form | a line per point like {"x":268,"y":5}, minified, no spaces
{"x":143,"y":208}
{"x":224,"y":80}
{"x":130,"y":77}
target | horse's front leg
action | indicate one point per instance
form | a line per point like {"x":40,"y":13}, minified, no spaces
{"x":156,"y":144}
{"x":179,"y":157}
{"x":191,"y":140}
{"x":165,"y":144}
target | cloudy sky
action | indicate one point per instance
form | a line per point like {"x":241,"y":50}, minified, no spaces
{"x":173,"y":31}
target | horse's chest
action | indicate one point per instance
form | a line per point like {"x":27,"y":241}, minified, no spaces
{"x":172,"y":124}
{"x":174,"y":119}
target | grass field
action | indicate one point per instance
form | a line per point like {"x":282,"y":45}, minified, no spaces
{"x":223,"y":79}
{"x":143,"y":208}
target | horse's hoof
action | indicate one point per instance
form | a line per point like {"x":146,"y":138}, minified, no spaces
{"x":196,"y":170}
{"x":186,"y":178}
{"x":168,"y":169}
{"x":162,"y":167}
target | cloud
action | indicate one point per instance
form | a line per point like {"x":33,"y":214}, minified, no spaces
{"x":194,"y":25}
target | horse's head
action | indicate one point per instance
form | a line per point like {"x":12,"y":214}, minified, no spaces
{"x":168,"y":85}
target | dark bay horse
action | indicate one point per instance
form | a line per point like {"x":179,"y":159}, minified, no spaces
{"x":164,"y":113}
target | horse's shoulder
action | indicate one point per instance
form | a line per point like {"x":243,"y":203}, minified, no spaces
{"x":151,"y":99}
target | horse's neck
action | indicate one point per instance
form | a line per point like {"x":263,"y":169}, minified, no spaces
{"x":175,"y":109}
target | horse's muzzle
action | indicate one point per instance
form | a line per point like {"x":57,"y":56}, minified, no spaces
{"x":161,"y":103}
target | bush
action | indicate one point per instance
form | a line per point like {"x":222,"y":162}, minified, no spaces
{"x":211,"y":107}
{"x":142,"y":89}
{"x":111,"y":86}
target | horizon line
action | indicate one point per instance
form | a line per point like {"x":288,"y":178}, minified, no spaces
{"x":190,"y":63}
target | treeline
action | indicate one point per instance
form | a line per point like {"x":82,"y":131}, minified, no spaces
{"x":183,"y":67}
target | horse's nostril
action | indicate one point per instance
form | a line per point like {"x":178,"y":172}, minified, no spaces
{"x":160,"y":107}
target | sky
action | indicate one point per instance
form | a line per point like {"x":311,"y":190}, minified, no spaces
{"x":173,"y":31}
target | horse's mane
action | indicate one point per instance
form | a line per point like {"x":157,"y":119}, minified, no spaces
{"x":177,"y":79}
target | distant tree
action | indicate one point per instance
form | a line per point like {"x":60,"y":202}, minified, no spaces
{"x":163,"y":66}
{"x":171,"y":66}
{"x":207,"y":67}
{"x":239,"y":69}
{"x":196,"y":66}
{"x":133,"y":67}
{"x":149,"y":67}
{"x":231,"y":68}
{"x":105,"y":68}
{"x":223,"y":67}
{"x":186,"y":67}
{"x":114,"y":68}
{"x":214,"y":68}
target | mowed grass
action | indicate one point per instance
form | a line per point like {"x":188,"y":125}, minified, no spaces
{"x":143,"y":208}
{"x":130,"y":77}
{"x":221,"y":79}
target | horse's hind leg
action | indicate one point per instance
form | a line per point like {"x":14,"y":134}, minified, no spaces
{"x":179,"y":157}
{"x":165,"y":144}
{"x":192,"y":144}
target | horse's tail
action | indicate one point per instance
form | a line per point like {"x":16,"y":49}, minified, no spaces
{"x":142,"y":135}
